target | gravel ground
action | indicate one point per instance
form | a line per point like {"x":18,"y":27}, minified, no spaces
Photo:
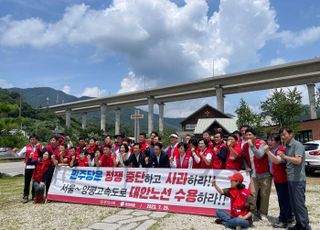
{"x":182,"y":221}
{"x":15,"y":215}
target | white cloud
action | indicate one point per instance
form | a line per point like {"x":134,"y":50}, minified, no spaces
{"x":93,"y":92}
{"x":162,"y":42}
{"x":296,"y":39}
{"x":5,"y":84}
{"x":277,"y":61}
{"x":132,"y":83}
{"x":66,"y":89}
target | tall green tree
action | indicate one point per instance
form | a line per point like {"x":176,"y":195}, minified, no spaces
{"x":246,"y":116}
{"x":283,"y":107}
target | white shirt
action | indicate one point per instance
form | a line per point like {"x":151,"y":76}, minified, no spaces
{"x":120,"y":159}
{"x":137,"y":157}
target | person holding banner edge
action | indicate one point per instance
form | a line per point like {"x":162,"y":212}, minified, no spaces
{"x":242,"y":204}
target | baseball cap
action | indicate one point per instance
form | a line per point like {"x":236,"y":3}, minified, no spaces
{"x":236,"y":177}
{"x":174,"y":135}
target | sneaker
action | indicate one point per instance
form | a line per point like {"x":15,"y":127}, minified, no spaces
{"x":256,"y":217}
{"x":25,"y":199}
{"x":218,"y":221}
{"x":280,"y":225}
{"x":291,"y":220}
{"x":264,"y":218}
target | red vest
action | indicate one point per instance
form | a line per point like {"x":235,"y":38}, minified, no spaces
{"x":79,"y":149}
{"x":106,"y":161}
{"x":261,"y":164}
{"x":83,"y":163}
{"x":144,"y":146}
{"x":185,"y":163}
{"x":238,"y":199}
{"x":203,"y":164}
{"x":217,"y":163}
{"x":195,"y":164}
{"x":211,"y":144}
{"x":232,"y":162}
{"x":173,"y":153}
{"x":29,"y":150}
{"x":279,"y":170}
{"x":53,"y":152}
{"x":41,"y":168}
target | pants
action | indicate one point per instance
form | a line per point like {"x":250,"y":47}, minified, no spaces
{"x":297,"y":200}
{"x":262,"y":189}
{"x":230,"y":222}
{"x":49,"y":178}
{"x":38,"y":189}
{"x":284,"y":202}
{"x":27,"y":180}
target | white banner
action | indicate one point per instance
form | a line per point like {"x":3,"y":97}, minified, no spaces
{"x":170,"y":190}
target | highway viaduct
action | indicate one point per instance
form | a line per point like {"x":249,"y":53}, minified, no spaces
{"x":305,"y":72}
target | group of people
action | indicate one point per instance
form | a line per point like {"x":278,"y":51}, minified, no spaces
{"x":280,"y":158}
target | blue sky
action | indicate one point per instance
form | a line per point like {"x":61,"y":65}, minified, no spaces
{"x":100,"y":48}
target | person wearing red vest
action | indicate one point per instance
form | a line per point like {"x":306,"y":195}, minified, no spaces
{"x":64,"y":157}
{"x":107,"y":141}
{"x":39,"y":176}
{"x":258,"y":166}
{"x":72,"y":156}
{"x":172,"y":149}
{"x":195,"y":152}
{"x":96,"y":159}
{"x":91,"y":148}
{"x":241,"y":201}
{"x":243,"y":129}
{"x":142,"y":141}
{"x":183,"y":160}
{"x":118,"y":142}
{"x":81,"y":147}
{"x":53,"y":149}
{"x":280,"y":179}
{"x":107,"y":159}
{"x":234,"y":159}
{"x":32,"y":148}
{"x":220,"y":152}
{"x":207,"y":136}
{"x":205,"y":155}
{"x":83,"y":161}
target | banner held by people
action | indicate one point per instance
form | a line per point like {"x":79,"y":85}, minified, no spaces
{"x":170,"y":190}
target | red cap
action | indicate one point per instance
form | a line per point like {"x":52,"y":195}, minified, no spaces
{"x":236,"y":177}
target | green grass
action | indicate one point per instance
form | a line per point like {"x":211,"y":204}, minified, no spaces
{"x":10,"y":191}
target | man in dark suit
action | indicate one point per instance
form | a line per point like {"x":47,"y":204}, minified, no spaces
{"x":159,"y":159}
{"x":137,"y":159}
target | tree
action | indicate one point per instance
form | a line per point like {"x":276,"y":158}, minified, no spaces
{"x":283,"y":107}
{"x":247,"y":117}
{"x":9,"y":126}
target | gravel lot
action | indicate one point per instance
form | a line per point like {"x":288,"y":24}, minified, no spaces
{"x":15,"y":215}
{"x":181,"y":221}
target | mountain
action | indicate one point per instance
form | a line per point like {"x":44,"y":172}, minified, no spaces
{"x":39,"y":97}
